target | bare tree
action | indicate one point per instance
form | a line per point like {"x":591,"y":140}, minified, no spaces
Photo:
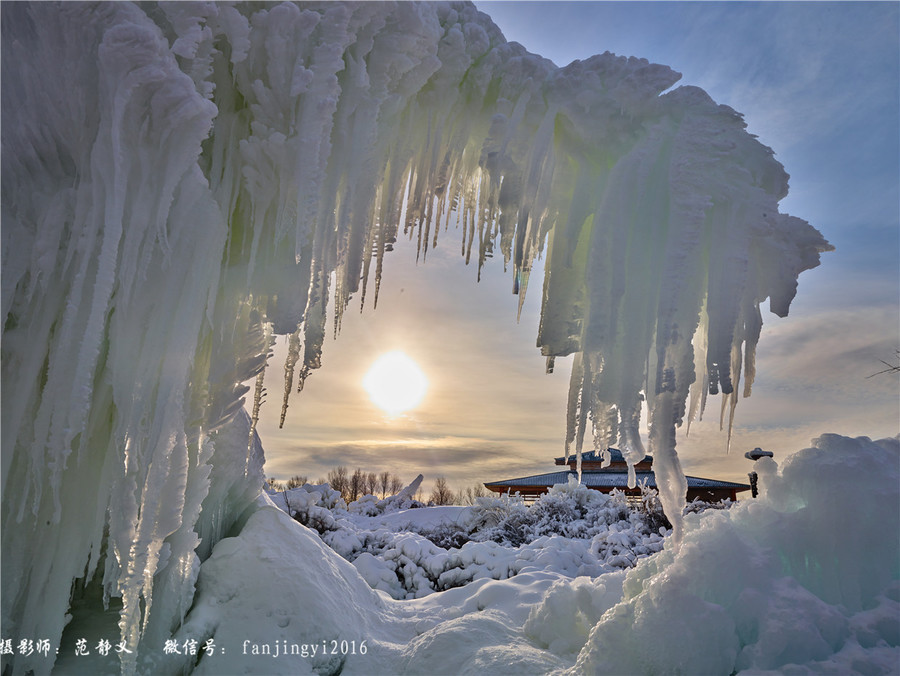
{"x":384,"y":483}
{"x":441,"y":495}
{"x":275,"y":484}
{"x":891,"y":368}
{"x":468,"y":495}
{"x":337,"y":479}
{"x":396,"y":485}
{"x":357,"y":484}
{"x":354,"y":486}
{"x":295,"y":482}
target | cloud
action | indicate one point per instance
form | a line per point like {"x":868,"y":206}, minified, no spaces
{"x":835,"y":349}
{"x":703,"y":452}
{"x":463,"y":461}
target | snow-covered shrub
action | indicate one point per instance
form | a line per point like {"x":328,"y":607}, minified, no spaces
{"x":367,"y":505}
{"x":329,"y":498}
{"x":488,"y":511}
{"x":574,"y":510}
{"x":447,"y":535}
{"x":405,"y":565}
{"x":311,"y":505}
{"x":572,"y":529}
{"x":400,"y":505}
{"x":515,"y":530}
{"x":696,"y":506}
{"x":621,"y":545}
{"x":478,"y":560}
{"x":571,"y":510}
{"x":576,"y":494}
{"x":651,"y":510}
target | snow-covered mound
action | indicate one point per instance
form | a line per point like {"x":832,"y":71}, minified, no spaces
{"x":807,"y":576}
{"x":183,"y":181}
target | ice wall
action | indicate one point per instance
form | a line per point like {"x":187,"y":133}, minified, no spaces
{"x":181,"y":182}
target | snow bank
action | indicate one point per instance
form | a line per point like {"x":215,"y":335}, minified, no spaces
{"x":803,"y":580}
{"x":255,"y":588}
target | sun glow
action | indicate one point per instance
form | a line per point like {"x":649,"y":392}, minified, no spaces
{"x":395,"y":383}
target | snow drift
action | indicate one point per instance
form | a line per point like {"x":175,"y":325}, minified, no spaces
{"x":182,"y":182}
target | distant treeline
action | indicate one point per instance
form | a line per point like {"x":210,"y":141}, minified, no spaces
{"x":359,"y":483}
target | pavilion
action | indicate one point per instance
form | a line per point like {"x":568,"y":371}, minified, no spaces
{"x":615,"y":475}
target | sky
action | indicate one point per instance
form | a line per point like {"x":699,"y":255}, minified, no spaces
{"x":817,"y":82}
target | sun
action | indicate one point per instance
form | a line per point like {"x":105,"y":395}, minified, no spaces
{"x":395,"y":383}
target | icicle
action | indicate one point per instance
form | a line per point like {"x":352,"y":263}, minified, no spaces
{"x":290,"y":361}
{"x":258,"y":392}
{"x":578,"y":463}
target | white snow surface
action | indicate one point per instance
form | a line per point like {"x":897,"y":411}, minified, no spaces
{"x":181,"y":182}
{"x":802,"y":580}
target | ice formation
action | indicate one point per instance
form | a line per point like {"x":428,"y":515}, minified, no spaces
{"x":182,"y":182}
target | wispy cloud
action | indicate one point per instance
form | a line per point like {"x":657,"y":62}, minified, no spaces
{"x":462,"y":461}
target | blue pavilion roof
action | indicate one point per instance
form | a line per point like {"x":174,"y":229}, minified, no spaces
{"x":608,"y":480}
{"x":593,"y":456}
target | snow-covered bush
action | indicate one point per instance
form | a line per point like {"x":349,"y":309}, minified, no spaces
{"x":367,"y":505}
{"x":311,"y":505}
{"x":621,"y":545}
{"x":652,"y":510}
{"x":488,"y":511}
{"x":516,"y":529}
{"x":697,"y":505}
{"x":410,"y":553}
{"x":448,"y":535}
{"x":571,"y":510}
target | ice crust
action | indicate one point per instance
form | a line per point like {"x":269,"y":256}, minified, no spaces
{"x":182,"y":182}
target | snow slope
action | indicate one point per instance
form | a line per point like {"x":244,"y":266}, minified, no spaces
{"x":181,"y":182}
